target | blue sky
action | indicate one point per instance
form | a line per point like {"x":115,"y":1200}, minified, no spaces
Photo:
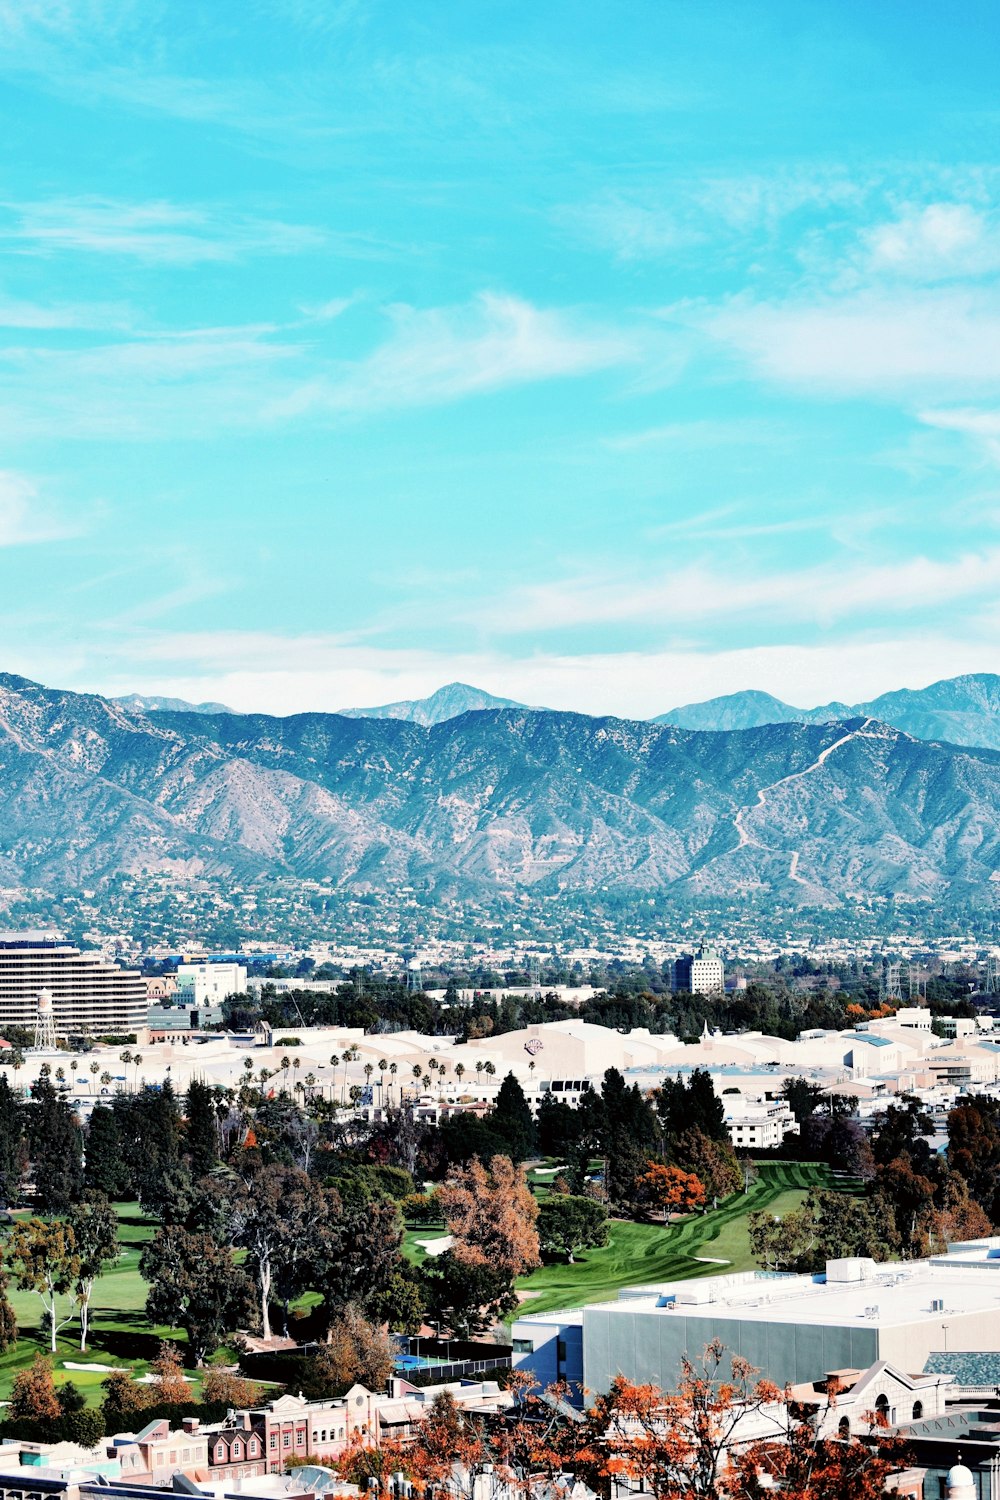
{"x":608,"y":356}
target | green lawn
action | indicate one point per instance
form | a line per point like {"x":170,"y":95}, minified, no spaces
{"x":120,"y":1333}
{"x":639,"y":1253}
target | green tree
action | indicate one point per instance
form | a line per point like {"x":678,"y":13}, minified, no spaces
{"x":12,"y":1147}
{"x":201,"y":1130}
{"x":782,"y":1244}
{"x":55,"y":1144}
{"x":512,"y":1121}
{"x":95,"y":1234}
{"x":105,"y":1170}
{"x":282,"y":1219}
{"x":194,"y":1284}
{"x":567,"y":1224}
{"x":8,"y":1318}
{"x":43,"y":1259}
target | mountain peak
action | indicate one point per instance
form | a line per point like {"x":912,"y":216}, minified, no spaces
{"x":445,"y":703}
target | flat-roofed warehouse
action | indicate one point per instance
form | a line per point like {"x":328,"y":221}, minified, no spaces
{"x":89,"y":996}
{"x":792,"y":1328}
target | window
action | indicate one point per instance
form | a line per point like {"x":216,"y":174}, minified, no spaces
{"x":918,"y":1410}
{"x":220,"y":1453}
{"x":844,"y":1428}
{"x":523,"y":1346}
{"x":273,"y":1440}
{"x":286,"y":1439}
{"x":237,"y":1449}
{"x":560,"y":1350}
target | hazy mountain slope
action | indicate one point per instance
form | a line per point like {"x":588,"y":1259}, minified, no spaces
{"x":144,"y":703}
{"x":745,"y":710}
{"x":492,"y":800}
{"x":447,"y":703}
{"x":963,"y":710}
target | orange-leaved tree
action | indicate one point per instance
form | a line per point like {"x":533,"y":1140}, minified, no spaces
{"x":677,"y":1445}
{"x":817,"y":1460}
{"x":669,"y":1190}
{"x":491,"y":1213}
{"x":724,"y":1434}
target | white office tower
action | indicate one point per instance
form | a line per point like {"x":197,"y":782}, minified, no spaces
{"x":86,"y":995}
{"x":700,"y":973}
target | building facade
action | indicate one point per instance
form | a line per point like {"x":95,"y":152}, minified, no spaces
{"x":209,"y":983}
{"x":89,"y":996}
{"x":700,"y":973}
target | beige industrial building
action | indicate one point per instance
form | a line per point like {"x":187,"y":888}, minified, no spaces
{"x":88,"y":996}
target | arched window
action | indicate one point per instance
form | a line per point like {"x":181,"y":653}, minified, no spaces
{"x":918,"y":1410}
{"x":882,"y":1408}
{"x":844,"y":1427}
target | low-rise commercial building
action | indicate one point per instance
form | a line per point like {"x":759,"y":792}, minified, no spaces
{"x":792,"y":1328}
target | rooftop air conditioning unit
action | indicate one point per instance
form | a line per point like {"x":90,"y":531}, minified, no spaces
{"x":937,"y":1305}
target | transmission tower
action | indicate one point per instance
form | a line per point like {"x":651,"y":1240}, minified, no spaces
{"x":893,"y":990}
{"x":45,"y":1023}
{"x":534,"y":976}
{"x":414,"y":977}
{"x":992,"y":986}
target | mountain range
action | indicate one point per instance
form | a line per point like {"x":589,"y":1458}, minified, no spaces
{"x":492,"y":801}
{"x":962,"y":710}
{"x":150,"y":702}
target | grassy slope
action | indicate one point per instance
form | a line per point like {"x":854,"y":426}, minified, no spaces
{"x":640,"y":1253}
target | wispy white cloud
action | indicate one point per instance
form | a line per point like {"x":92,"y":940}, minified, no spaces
{"x":889,"y":342}
{"x":674,"y":597}
{"x":26,"y":514}
{"x":444,"y":354}
{"x":934,"y":242}
{"x":157,"y":232}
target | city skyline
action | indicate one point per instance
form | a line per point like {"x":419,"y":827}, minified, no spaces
{"x":607,"y":359}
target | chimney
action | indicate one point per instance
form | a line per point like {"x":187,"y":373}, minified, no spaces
{"x":191,"y":1424}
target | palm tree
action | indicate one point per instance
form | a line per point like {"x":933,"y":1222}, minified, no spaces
{"x":95,"y":1068}
{"x":285,"y":1065}
{"x":60,"y":1075}
{"x":311,"y":1083}
{"x":479,"y":1070}
{"x":73,"y":1067}
{"x":489,"y":1070}
{"x":369,"y":1070}
{"x":426,"y":1082}
{"x":393,"y":1070}
{"x":460,"y":1071}
{"x":248,"y":1066}
{"x":106,"y":1080}
{"x":334,"y":1064}
{"x":137,"y":1060}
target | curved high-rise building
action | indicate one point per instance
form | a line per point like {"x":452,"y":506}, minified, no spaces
{"x":89,"y":996}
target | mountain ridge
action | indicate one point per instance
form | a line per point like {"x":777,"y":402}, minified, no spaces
{"x":492,"y":802}
{"x":963,"y":710}
{"x":446,"y":702}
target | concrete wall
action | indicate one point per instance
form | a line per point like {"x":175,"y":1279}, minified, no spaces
{"x":650,"y":1345}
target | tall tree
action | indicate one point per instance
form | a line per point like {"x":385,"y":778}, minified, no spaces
{"x":491,"y":1214}
{"x":201,"y":1131}
{"x":12,"y":1147}
{"x":280,"y":1218}
{"x":8,"y":1318}
{"x":43,"y":1259}
{"x":95,"y":1234}
{"x":106,"y":1171}
{"x":512,"y":1120}
{"x":55,"y":1143}
{"x":194,"y":1284}
{"x":33,"y":1396}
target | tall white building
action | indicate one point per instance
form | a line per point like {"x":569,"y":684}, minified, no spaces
{"x":88,"y":995}
{"x":209,"y":983}
{"x":700,"y":973}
